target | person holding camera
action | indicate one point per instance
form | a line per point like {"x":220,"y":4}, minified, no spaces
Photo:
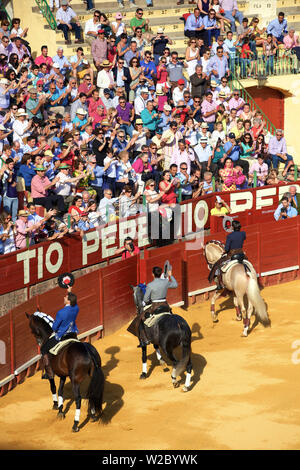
{"x":285,"y":210}
{"x":159,"y":43}
{"x":129,"y":249}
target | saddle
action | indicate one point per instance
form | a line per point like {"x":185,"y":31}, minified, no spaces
{"x":153,"y":319}
{"x":56,"y":349}
{"x":233,"y":261}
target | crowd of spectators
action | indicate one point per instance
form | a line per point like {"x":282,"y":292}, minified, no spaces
{"x":136,"y":129}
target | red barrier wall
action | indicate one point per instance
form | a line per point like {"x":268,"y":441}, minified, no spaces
{"x":49,"y":259}
{"x":105,"y":297}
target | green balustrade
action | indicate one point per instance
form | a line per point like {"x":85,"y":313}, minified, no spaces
{"x":47,"y":13}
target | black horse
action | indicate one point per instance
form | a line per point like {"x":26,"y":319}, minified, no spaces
{"x":169,"y":332}
{"x":76,"y":360}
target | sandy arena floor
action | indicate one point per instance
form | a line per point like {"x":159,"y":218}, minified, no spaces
{"x":245,"y":391}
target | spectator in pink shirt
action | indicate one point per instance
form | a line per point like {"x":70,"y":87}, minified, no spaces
{"x":261,"y":169}
{"x":23,"y":229}
{"x":208,"y":110}
{"x":94,"y":102}
{"x":236,"y":102}
{"x":40,"y":186}
{"x":44,"y":58}
{"x":292,"y":44}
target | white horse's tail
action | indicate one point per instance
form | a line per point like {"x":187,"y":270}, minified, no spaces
{"x":258,"y":302}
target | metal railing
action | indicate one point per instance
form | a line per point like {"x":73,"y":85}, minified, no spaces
{"x":3,"y":9}
{"x":264,"y":66}
{"x":236,"y":84}
{"x":47,"y":13}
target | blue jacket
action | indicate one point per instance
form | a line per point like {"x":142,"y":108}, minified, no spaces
{"x":65,"y":321}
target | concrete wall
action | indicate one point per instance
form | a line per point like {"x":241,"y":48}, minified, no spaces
{"x":37,"y":34}
{"x":289,"y":85}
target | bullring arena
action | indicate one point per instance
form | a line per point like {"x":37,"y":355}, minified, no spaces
{"x":244,"y":393}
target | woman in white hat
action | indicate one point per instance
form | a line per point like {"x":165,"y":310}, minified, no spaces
{"x":21,"y":126}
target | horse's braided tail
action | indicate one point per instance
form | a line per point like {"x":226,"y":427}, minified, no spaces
{"x":186,"y":347}
{"x":96,"y":386}
{"x":258,"y":302}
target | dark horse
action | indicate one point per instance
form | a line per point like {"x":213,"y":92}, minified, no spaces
{"x":76,"y":360}
{"x":170,"y":331}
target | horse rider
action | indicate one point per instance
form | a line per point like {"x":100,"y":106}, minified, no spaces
{"x":155,"y":299}
{"x":64,"y":327}
{"x":233,"y":250}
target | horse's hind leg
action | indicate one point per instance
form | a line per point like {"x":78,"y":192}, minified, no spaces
{"x":76,"y":392}
{"x":144,"y":361}
{"x":158,"y":355}
{"x":246,"y":321}
{"x":60,"y":413}
{"x":54,"y":396}
{"x":237,"y":309}
{"x":188,"y":376}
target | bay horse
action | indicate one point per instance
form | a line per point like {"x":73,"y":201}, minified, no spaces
{"x":76,"y":360}
{"x":170,"y":331}
{"x":241,"y":279}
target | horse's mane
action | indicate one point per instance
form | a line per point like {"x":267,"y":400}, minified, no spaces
{"x":43,"y":320}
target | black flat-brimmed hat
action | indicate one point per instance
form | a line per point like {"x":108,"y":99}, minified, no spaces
{"x":66,"y":280}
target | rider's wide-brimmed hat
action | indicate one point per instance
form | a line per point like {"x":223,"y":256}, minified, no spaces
{"x":66,"y":280}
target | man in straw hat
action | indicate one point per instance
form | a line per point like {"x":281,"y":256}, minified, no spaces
{"x":105,"y":78}
{"x":66,"y":184}
{"x":24,"y":229}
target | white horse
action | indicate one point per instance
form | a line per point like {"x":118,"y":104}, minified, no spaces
{"x":241,"y":279}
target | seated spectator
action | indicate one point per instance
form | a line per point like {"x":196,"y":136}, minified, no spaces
{"x":128,"y":202}
{"x":231,"y":12}
{"x":211,"y":27}
{"x":67,"y":21}
{"x":285,"y":210}
{"x":40,"y":186}
{"x":278,"y":27}
{"x":194,"y":25}
{"x":278,"y":151}
{"x":150,"y":118}
{"x":139,"y":22}
{"x":272,"y":177}
{"x":107,"y":207}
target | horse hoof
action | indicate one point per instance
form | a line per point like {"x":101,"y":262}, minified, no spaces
{"x":55,"y":406}
{"x":238,"y":317}
{"x":75,"y":428}
{"x":215,"y":320}
{"x":245,"y":333}
{"x":162,"y":363}
{"x":94,"y":418}
{"x":60,"y":415}
{"x":175,"y":384}
{"x":143,"y":376}
{"x":185,"y":389}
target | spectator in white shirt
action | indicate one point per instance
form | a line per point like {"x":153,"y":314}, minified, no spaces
{"x":67,"y":21}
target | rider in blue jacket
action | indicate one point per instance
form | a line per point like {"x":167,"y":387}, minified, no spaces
{"x":64,"y":327}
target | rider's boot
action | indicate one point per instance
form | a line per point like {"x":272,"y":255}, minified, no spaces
{"x":142,"y":336}
{"x":48,"y":372}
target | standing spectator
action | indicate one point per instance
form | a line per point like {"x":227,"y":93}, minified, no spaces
{"x":99,"y":49}
{"x":208,"y":110}
{"x":175,"y":70}
{"x":159,"y":43}
{"x":40,"y":186}
{"x":236,"y":102}
{"x":67,"y":21}
{"x":9,"y":180}
{"x":218,"y":65}
{"x":122,"y":76}
{"x":125,"y":115}
{"x":44,"y":58}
